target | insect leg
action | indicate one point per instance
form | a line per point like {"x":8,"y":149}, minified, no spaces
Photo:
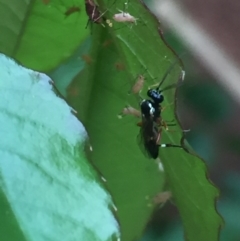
{"x":165,"y":125}
{"x":170,"y":145}
{"x":89,"y":20}
{"x":164,"y":108}
{"x":125,"y":7}
{"x":170,"y":121}
{"x":158,"y":138}
{"x":140,"y":124}
{"x":173,"y":124}
{"x":179,"y":130}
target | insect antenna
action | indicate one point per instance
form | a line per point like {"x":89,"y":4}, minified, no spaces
{"x":175,"y":85}
{"x":167,"y":73}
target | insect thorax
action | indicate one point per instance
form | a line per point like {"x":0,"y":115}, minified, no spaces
{"x":155,"y":95}
{"x":147,"y":108}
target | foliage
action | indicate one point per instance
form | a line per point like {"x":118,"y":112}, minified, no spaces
{"x":101,"y":76}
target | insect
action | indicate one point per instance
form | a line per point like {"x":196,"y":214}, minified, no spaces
{"x":152,"y":123}
{"x":162,"y":197}
{"x":128,"y":110}
{"x":137,"y":87}
{"x":93,"y":12}
{"x":124,"y":17}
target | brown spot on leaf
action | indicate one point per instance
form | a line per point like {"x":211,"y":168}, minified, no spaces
{"x":119,"y":66}
{"x":87,"y":58}
{"x":46,"y":1}
{"x":73,"y":90}
{"x":72,"y":10}
{"x":107,"y":42}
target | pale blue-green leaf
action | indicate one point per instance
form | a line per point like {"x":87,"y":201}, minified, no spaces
{"x":67,"y":71}
{"x":47,"y":187}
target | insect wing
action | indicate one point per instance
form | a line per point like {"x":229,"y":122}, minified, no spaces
{"x":148,"y":138}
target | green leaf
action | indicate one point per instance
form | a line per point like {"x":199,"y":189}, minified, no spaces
{"x":48,"y":190}
{"x":132,"y":179}
{"x":119,"y":54}
{"x":41,"y":35}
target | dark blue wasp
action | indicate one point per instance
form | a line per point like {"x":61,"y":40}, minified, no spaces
{"x":152,"y":123}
